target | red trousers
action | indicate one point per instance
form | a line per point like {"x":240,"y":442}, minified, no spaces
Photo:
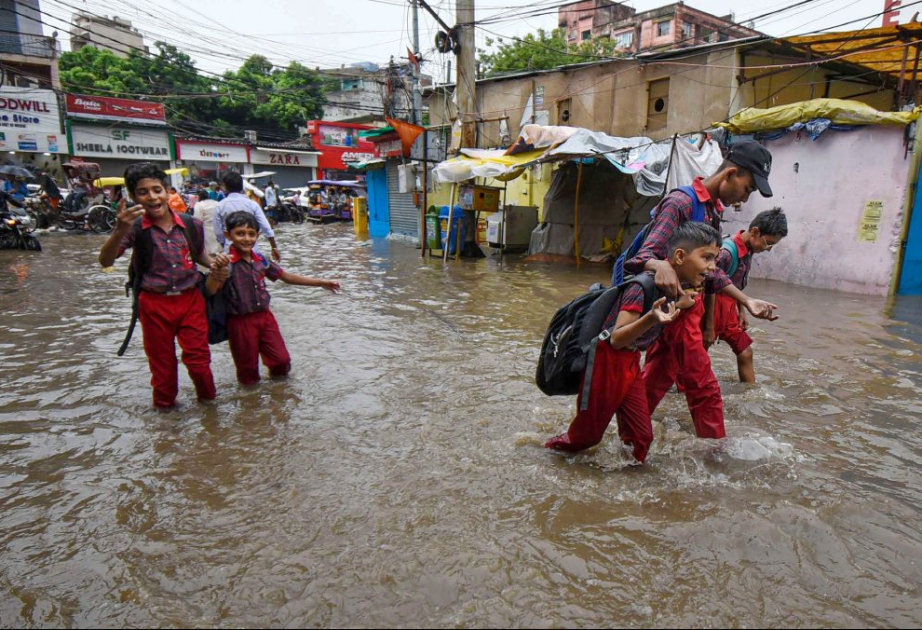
{"x":165,"y":318}
{"x":727,"y":325}
{"x":253,"y":335}
{"x":679,"y":356}
{"x":617,"y":389}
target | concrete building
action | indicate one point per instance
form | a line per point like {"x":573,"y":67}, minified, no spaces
{"x":113,"y":34}
{"x":30,"y":58}
{"x":671,"y":26}
{"x":369,"y":92}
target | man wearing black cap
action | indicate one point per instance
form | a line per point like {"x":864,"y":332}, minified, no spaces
{"x":679,"y":355}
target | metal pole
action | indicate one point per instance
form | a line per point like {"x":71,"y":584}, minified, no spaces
{"x":579,"y":181}
{"x":467,"y":73}
{"x":417,"y":97}
{"x":425,"y":205}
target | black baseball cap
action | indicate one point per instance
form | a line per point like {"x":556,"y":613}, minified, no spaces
{"x":756,"y":159}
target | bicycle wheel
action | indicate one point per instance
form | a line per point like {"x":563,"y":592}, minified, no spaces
{"x":98,"y":219}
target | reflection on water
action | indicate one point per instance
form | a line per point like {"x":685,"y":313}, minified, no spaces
{"x":397,"y":477}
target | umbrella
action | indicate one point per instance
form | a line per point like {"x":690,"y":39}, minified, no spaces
{"x":15,"y":171}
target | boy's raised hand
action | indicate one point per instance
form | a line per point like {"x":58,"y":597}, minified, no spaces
{"x":664,"y":316}
{"x":219,"y":261}
{"x":127,"y":216}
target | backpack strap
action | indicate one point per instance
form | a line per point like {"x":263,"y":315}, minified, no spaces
{"x":699,"y":208}
{"x":730,"y":245}
{"x":646,"y":281}
{"x":142,"y":257}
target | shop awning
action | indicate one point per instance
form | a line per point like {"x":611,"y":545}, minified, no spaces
{"x":883,"y":49}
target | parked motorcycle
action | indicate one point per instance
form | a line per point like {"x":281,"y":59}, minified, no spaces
{"x":16,"y":230}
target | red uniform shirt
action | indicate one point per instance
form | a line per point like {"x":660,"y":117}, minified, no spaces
{"x":674,"y":210}
{"x":740,"y":277}
{"x":248,"y":280}
{"x":631,"y":300}
{"x":172,"y":268}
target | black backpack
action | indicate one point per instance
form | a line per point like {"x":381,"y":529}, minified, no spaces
{"x":142,"y":256}
{"x":573,"y":335}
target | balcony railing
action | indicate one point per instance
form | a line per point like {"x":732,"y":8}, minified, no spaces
{"x":15,"y":43}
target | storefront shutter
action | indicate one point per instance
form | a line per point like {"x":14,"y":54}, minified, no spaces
{"x":404,"y":213}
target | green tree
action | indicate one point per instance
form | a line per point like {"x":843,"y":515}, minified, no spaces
{"x":541,"y":51}
{"x":258,"y":95}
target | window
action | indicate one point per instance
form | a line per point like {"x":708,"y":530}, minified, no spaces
{"x":624,"y":40}
{"x":586,"y":36}
{"x":563,"y":111}
{"x":663,"y":28}
{"x":688,"y":30}
{"x":704,"y":34}
{"x":657,"y":104}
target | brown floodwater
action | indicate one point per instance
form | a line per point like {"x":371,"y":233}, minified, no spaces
{"x":397,"y":478}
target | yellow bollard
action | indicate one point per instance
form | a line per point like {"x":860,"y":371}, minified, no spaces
{"x":360,"y":217}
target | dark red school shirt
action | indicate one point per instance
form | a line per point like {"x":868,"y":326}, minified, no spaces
{"x":631,"y":300}
{"x":172,"y":268}
{"x":674,"y":210}
{"x":248,"y":280}
{"x":740,"y":277}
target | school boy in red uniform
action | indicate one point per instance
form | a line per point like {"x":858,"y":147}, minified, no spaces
{"x":727,"y":321}
{"x":171,"y":306}
{"x":617,"y":387}
{"x":252,"y":330}
{"x":679,"y":354}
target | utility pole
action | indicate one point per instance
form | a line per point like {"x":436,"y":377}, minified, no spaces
{"x":467,"y":73}
{"x":417,"y":117}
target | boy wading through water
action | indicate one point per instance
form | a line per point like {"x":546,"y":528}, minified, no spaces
{"x":617,"y":388}
{"x":251,"y":327}
{"x":170,"y":303}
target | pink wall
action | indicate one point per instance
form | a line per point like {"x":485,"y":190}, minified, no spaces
{"x":824,"y":199}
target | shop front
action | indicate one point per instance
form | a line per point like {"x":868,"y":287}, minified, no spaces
{"x":291,"y":168}
{"x":30,"y":128}
{"x":117,"y":132}
{"x":209,"y":161}
{"x":114,"y":147}
{"x":339,"y":144}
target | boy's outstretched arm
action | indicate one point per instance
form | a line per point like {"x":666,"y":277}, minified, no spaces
{"x":332,"y":286}
{"x":758,"y":308}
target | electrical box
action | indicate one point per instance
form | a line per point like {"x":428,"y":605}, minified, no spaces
{"x":480,"y":198}
{"x":515,"y":231}
{"x":406,"y":178}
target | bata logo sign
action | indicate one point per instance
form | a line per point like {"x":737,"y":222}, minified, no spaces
{"x":106,"y":108}
{"x":90,"y":105}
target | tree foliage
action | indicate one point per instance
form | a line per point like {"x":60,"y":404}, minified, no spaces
{"x":541,"y":51}
{"x":274,"y":101}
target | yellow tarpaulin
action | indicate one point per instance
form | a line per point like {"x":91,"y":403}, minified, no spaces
{"x":838,"y":111}
{"x":120,"y":181}
{"x":492,"y":164}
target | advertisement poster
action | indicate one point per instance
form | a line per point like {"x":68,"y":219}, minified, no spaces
{"x":30,"y":121}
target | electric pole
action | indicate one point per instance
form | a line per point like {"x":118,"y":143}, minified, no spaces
{"x":467,"y":73}
{"x":417,"y":117}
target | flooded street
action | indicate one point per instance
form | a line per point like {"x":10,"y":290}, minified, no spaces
{"x":398,"y":477}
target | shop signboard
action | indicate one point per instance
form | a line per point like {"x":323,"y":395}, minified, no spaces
{"x":30,"y":121}
{"x":130,"y":143}
{"x":119,"y":109}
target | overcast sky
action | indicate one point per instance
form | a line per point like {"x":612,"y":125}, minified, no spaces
{"x":219,"y":34}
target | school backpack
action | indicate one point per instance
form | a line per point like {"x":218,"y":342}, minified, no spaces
{"x":142,"y":257}
{"x":574,"y":333}
{"x":730,"y":245}
{"x":699,"y":213}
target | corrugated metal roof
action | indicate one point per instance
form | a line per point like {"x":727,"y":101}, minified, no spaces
{"x":882,"y":49}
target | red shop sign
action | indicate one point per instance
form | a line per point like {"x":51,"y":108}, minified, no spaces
{"x":106,"y":108}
